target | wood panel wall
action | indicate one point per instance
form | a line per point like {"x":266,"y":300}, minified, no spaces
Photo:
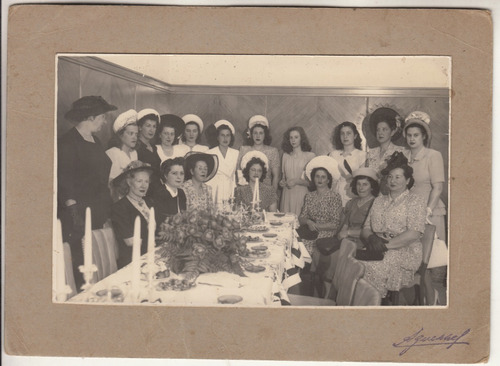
{"x":318,"y":115}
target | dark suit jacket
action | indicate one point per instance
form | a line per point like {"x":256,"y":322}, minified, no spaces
{"x":165,"y":205}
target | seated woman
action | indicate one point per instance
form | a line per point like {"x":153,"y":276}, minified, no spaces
{"x":169,"y":198}
{"x":322,"y":208}
{"x":133,"y":183}
{"x":394,"y":226}
{"x":255,"y":167}
{"x":199,"y":168}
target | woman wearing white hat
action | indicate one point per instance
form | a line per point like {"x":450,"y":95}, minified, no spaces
{"x":255,"y":166}
{"x":124,"y":142}
{"x":428,"y":168}
{"x":191,"y":136}
{"x":224,"y":182}
{"x":322,"y":208}
{"x":259,"y":140}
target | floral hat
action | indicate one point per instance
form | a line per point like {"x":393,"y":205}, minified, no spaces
{"x":325,"y":162}
{"x":254,"y":154}
{"x":421,"y":119}
{"x":134,"y":166}
{"x":123,"y":120}
{"x":193,"y":118}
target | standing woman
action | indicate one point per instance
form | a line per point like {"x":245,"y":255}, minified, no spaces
{"x":169,"y":198}
{"x":297,"y":153}
{"x":134,"y":184}
{"x":199,"y":168}
{"x":82,"y":175}
{"x":192,"y":133}
{"x":258,"y":140}
{"x":169,"y":132}
{"x":224,"y":182}
{"x":386,"y":125}
{"x":347,"y":143}
{"x":147,"y":121}
{"x":255,"y":167}
{"x":428,"y":168}
{"x":124,"y":142}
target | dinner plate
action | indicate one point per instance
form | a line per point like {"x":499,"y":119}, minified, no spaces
{"x":258,"y":228}
{"x":253,"y":239}
{"x":279,"y":214}
{"x":270,"y":235}
{"x":276,"y":223}
{"x":260,"y":254}
{"x":259,"y":247}
{"x":229,"y":299}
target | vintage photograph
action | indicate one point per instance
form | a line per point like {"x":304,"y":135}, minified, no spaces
{"x":251,"y":180}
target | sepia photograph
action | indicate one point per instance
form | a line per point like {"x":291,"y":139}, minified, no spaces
{"x":251,"y":180}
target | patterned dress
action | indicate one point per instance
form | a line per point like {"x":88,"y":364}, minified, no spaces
{"x":389,"y":218}
{"x":194,"y":199}
{"x":293,"y":166}
{"x":272,"y":155}
{"x":322,"y":209}
{"x":354,"y":160}
{"x":244,"y":195}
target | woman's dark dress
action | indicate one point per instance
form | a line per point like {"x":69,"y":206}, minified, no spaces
{"x":165,"y":205}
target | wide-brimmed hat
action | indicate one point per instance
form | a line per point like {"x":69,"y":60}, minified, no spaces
{"x":193,"y":118}
{"x":325,"y":162}
{"x":386,"y":114}
{"x":123,"y":120}
{"x":258,"y":119}
{"x":148,"y":112}
{"x":367,"y":172}
{"x":254,"y":154}
{"x":192,"y":157}
{"x":225,"y":122}
{"x":422,"y":119}
{"x":171,"y":120}
{"x":88,"y":106}
{"x":134,"y":166}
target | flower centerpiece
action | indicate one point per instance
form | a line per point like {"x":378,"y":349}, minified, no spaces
{"x":195,"y":242}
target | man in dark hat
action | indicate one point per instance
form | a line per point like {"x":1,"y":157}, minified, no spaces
{"x":82,"y":175}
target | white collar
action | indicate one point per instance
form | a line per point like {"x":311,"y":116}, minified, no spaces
{"x":173,"y":191}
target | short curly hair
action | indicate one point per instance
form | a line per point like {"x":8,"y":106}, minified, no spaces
{"x":167,"y":165}
{"x":312,"y":186}
{"x":337,"y":142}
{"x":373,"y":183}
{"x":251,"y":162}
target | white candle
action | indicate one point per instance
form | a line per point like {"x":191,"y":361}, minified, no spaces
{"x":136,"y":256}
{"x":151,"y":242}
{"x":257,"y":192}
{"x":87,"y":245}
{"x":59,"y":263}
{"x":216,"y":194}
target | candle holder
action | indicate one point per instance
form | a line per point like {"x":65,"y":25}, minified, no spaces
{"x":62,"y":294}
{"x":88,"y":273}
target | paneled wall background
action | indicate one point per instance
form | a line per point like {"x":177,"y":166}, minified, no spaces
{"x":318,"y":115}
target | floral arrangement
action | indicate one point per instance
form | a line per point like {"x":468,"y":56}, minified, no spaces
{"x":195,"y":242}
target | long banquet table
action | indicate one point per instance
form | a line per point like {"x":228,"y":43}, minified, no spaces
{"x":266,"y":288}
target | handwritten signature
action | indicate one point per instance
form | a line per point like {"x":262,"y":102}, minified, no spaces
{"x":420,"y":340}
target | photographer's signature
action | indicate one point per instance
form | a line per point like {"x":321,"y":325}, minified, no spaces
{"x":419,"y":339}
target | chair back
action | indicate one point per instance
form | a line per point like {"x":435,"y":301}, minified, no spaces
{"x":348,"y":272}
{"x":104,"y":248}
{"x":301,"y":300}
{"x":366,"y":294}
{"x":68,"y":268}
{"x":427,"y":240}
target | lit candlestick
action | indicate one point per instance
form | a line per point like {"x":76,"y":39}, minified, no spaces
{"x":136,"y":256}
{"x":257,"y":194}
{"x":60,"y":272}
{"x":87,"y":245}
{"x":151,"y":243}
{"x":216,"y":195}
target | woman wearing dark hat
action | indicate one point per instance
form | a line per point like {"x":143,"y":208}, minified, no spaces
{"x":428,"y":168}
{"x":393,"y":229}
{"x":82,"y":174}
{"x":386,"y":125}
{"x":347,"y":143}
{"x":171,"y":127}
{"x":199,"y":169}
{"x":169,"y":198}
{"x":133,"y":184}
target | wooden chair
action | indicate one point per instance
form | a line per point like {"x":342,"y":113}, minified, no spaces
{"x":104,"y":249}
{"x":422,"y":278}
{"x":68,"y":269}
{"x":347,"y":273}
{"x":366,"y":294}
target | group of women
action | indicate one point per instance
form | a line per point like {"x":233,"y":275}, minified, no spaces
{"x":157,"y":160}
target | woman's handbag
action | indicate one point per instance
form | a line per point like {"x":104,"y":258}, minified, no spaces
{"x":306,"y":233}
{"x":369,"y":255}
{"x":327,"y":246}
{"x":439,"y":254}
